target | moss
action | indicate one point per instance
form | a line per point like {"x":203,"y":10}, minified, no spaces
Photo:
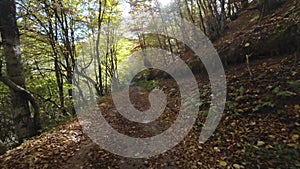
{"x":196,"y":66}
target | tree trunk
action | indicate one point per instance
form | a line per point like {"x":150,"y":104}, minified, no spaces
{"x":244,"y":4}
{"x":25,"y":126}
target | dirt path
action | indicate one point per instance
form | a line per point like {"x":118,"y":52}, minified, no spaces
{"x":257,"y":124}
{"x":260,"y":127}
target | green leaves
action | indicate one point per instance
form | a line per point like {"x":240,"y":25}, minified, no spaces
{"x":294,"y":85}
{"x":284,"y":94}
{"x":203,"y":113}
{"x":277,"y":155}
{"x":148,"y":85}
{"x":199,"y":104}
{"x":263,"y":106}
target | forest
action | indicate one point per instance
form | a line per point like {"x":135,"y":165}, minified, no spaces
{"x":149,"y":84}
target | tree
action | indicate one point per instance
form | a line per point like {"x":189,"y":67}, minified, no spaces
{"x":25,"y":125}
{"x":244,"y":4}
{"x":265,"y":6}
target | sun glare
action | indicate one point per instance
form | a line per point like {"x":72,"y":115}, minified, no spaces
{"x":164,"y":2}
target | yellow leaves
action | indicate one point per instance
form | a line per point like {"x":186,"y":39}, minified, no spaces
{"x":294,"y":73}
{"x":233,"y":124}
{"x":260,"y":143}
{"x":223,"y":163}
{"x":293,"y":145}
{"x":237,"y":166}
{"x":8,"y":158}
{"x":253,"y":123}
{"x":295,"y":137}
{"x":269,"y":146}
{"x":271,"y":136}
{"x":66,"y":1}
{"x":50,"y":153}
{"x":297,"y":107}
{"x":247,"y":44}
{"x":240,"y":110}
{"x":217,"y":149}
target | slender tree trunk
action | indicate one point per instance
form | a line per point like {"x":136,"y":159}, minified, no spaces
{"x":25,"y":125}
{"x":201,"y":13}
{"x":222,"y":18}
{"x":244,"y":4}
{"x":165,"y":30}
{"x":99,"y":86}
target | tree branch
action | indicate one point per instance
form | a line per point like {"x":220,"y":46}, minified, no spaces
{"x":26,"y":94}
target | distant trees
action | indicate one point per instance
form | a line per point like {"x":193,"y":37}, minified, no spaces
{"x":26,"y":122}
{"x":211,"y":16}
{"x":104,"y":35}
{"x":53,"y":35}
{"x":52,"y":25}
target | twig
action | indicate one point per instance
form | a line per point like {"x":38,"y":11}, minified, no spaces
{"x":248,"y":66}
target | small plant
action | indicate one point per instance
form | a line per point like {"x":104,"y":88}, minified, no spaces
{"x":262,"y":106}
{"x":281,"y":156}
{"x":294,"y":85}
{"x":203,"y":113}
{"x":147,"y":85}
{"x":199,"y":104}
{"x":232,"y":107}
{"x":285,"y":94}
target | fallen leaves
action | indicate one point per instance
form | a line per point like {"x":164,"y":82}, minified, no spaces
{"x":265,"y":138}
{"x":259,"y":128}
{"x":49,"y":149}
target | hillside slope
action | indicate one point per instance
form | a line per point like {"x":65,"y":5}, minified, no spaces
{"x":277,"y":33}
{"x":259,"y":129}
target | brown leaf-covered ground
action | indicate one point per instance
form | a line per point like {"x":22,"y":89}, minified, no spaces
{"x":259,"y":127}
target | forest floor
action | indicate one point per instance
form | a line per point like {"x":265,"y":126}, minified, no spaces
{"x":259,"y":127}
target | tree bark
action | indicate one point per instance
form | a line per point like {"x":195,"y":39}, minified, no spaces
{"x":25,"y":126}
